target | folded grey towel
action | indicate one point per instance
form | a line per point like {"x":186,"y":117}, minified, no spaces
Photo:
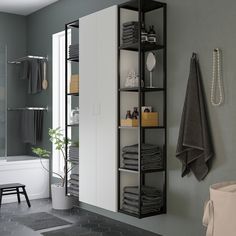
{"x":145,"y":199}
{"x":74,"y":182}
{"x":144,"y":167}
{"x":73,"y":192}
{"x":130,"y":41}
{"x":130,"y":161}
{"x":146,"y":149}
{"x":129,"y":37}
{"x":74,"y":187}
{"x":194,"y":148}
{"x":144,"y":210}
{"x":74,"y":176}
{"x":130,"y":23}
{"x":145,"y":190}
{"x":131,"y":167}
{"x":145,"y":204}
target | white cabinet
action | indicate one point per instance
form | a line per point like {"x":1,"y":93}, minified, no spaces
{"x":98,"y":109}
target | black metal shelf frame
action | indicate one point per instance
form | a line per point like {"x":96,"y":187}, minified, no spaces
{"x":143,"y":6}
{"x":73,"y":24}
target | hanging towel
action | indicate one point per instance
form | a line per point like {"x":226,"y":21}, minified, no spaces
{"x":194,"y":148}
{"x":31,"y":126}
{"x":24,"y":70}
{"x":35,"y":76}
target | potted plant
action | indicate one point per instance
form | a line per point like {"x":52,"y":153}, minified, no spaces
{"x":59,"y":200}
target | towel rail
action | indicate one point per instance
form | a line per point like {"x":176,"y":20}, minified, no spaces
{"x":29,"y":57}
{"x":28,"y":108}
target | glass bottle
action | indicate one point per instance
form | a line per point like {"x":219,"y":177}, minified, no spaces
{"x":128,"y":115}
{"x":144,"y":34}
{"x":152,"y":38}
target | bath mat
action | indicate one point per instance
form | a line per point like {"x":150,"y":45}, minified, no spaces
{"x":40,"y":220}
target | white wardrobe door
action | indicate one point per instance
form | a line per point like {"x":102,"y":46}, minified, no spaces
{"x":88,"y":106}
{"x":107,"y":118}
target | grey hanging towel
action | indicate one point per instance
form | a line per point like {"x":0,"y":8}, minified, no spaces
{"x":35,"y":76}
{"x":31,"y":126}
{"x":194,"y":148}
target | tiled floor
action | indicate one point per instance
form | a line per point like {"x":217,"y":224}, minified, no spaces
{"x":90,"y":222}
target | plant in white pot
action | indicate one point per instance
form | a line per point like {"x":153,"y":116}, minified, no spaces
{"x":59,"y":200}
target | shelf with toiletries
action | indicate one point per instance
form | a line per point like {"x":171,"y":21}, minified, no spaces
{"x":72,"y":107}
{"x":142,"y":109}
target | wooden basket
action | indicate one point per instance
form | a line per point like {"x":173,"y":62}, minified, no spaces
{"x":150,"y":119}
{"x":129,"y":122}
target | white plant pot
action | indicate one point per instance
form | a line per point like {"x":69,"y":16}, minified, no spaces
{"x":59,"y":200}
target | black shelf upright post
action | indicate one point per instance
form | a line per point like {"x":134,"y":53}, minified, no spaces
{"x":66,"y":105}
{"x":165,"y":102}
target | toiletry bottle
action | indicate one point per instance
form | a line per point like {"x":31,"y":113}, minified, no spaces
{"x":135,"y":113}
{"x":144,"y":34}
{"x":128,"y":115}
{"x":152,"y":38}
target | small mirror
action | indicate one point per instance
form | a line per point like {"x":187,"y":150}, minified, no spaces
{"x":151,"y":64}
{"x":151,"y":61}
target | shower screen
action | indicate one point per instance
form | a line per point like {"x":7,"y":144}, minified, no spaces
{"x":3,"y":101}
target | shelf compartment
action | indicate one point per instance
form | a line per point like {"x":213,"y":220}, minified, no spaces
{"x":147,"y":5}
{"x":73,"y":59}
{"x":145,"y":47}
{"x":136,"y":89}
{"x":128,"y":170}
{"x":140,"y":216}
{"x":73,"y":94}
{"x":143,"y":171}
{"x":73,"y":125}
{"x":143,"y":127}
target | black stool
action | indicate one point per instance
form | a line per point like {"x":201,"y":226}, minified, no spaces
{"x":11,"y":189}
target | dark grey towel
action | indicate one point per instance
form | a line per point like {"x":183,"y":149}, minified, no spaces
{"x":28,"y":129}
{"x":31,"y":126}
{"x":130,"y":23}
{"x":194,"y":148}
{"x":35,"y":76}
{"x":24,"y":70}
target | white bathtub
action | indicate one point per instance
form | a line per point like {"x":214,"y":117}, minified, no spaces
{"x":25,"y":170}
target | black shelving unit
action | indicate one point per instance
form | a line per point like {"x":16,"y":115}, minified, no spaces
{"x":143,"y":7}
{"x":68,"y":60}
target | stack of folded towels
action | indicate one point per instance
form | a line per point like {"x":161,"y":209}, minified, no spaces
{"x":151,"y":199}
{"x":74,"y":51}
{"x":73,"y":188}
{"x":130,"y":32}
{"x":74,"y":154}
{"x":151,"y":157}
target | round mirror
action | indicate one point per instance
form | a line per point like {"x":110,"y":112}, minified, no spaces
{"x":151,"y":61}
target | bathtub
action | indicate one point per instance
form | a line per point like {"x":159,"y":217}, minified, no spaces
{"x":25,"y":170}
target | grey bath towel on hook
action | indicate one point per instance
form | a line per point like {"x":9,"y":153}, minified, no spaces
{"x":194,"y":148}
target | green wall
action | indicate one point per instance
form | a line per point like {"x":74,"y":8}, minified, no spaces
{"x":192,"y":26}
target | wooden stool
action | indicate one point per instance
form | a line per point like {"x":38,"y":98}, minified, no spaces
{"x":14,"y":188}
